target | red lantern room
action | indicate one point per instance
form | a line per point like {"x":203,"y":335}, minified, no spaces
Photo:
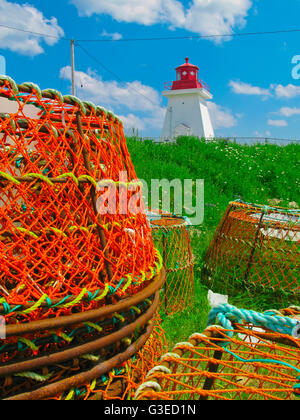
{"x":187,"y":77}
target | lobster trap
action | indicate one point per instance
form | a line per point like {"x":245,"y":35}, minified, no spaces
{"x":256,"y":246}
{"x":247,"y":356}
{"x":172,"y":239}
{"x":122,"y":382}
{"x":78,"y":285}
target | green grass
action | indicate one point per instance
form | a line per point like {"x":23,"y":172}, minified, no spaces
{"x":181,"y":326}
{"x":254,"y":174}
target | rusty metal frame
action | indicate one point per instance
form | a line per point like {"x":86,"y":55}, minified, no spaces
{"x":88,"y":316}
{"x":91,"y":347}
{"x":58,"y":388}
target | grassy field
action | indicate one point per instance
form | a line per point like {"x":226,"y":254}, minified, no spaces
{"x":256,"y":174}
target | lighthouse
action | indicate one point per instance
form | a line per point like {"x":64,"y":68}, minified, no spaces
{"x":187,"y":113}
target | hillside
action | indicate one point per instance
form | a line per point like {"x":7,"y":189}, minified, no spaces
{"x":256,"y":174}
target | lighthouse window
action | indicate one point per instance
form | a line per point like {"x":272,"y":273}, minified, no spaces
{"x":178,"y":75}
{"x":184,"y":73}
{"x":192,"y":73}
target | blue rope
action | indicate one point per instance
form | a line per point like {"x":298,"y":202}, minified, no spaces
{"x":279,"y":210}
{"x":262,"y":361}
{"x":225,"y":314}
{"x":279,"y":362}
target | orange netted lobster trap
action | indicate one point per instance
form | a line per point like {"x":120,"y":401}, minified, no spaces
{"x":55,"y":247}
{"x":74,"y":284}
{"x":258,"y":246}
{"x":122,"y":382}
{"x":249,"y":355}
{"x":42,"y":359}
{"x":171,"y":236}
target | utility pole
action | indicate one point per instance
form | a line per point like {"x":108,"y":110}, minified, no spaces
{"x":73,"y":67}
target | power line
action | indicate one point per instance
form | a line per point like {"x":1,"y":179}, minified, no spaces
{"x":170,"y":38}
{"x":35,"y":33}
{"x":166,"y":38}
{"x":114,"y":74}
{"x":99,"y":62}
{"x":74,"y":42}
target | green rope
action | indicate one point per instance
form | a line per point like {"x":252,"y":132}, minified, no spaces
{"x":76,"y":101}
{"x":35,"y":88}
{"x":56,"y":94}
{"x":34,"y":376}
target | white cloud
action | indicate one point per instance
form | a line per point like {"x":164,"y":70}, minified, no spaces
{"x":115,"y":36}
{"x":243,"y":88}
{"x":132,"y":97}
{"x":260,"y":134}
{"x":144,"y":12}
{"x":131,"y":122}
{"x":277,"y":123}
{"x":289,"y":112}
{"x":156,"y":118}
{"x":153,"y":120}
{"x":279,"y":91}
{"x":205,"y":17}
{"x":287,"y":92}
{"x":221,"y":117}
{"x":28,"y":18}
{"x":216,"y":16}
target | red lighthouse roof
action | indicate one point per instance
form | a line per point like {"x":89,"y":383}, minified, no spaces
{"x":187,"y":77}
{"x":187,"y":65}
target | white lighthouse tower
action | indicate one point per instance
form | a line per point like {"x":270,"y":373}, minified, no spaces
{"x":187,"y":112}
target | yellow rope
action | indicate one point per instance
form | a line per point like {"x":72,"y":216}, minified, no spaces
{"x":75,"y":301}
{"x":128,"y":283}
{"x":95,"y":326}
{"x":78,"y":298}
{"x":28,"y":343}
{"x":9,"y":178}
{"x":35,"y":306}
{"x":119,"y":317}
{"x":106,"y":290}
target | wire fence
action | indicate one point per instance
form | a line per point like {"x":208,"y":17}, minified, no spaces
{"x":235,"y":140}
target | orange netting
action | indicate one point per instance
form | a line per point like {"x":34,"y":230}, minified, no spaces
{"x":256,"y":245}
{"x":148,"y":357}
{"x":56,"y":251}
{"x":172,"y":239}
{"x":239,"y":363}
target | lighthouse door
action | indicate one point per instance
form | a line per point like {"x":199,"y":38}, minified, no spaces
{"x":182,"y":130}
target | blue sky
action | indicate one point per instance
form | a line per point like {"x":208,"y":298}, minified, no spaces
{"x":255,"y":93}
